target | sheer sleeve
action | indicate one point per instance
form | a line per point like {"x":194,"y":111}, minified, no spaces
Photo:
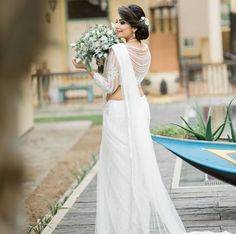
{"x":109,"y":80}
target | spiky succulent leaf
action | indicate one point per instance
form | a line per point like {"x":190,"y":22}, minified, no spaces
{"x":218,"y":132}
{"x":233,"y":135}
{"x":201,"y":121}
{"x":209,"y":135}
{"x":197,"y":135}
{"x":188,"y":125}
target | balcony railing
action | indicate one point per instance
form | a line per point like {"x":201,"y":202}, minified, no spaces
{"x":59,"y":87}
{"x":211,"y":79}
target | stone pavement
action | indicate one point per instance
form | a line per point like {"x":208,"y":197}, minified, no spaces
{"x":200,"y":208}
{"x":45,"y":145}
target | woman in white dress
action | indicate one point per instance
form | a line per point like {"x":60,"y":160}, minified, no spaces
{"x":131,"y":198}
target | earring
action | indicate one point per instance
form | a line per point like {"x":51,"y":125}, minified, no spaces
{"x":133,"y":33}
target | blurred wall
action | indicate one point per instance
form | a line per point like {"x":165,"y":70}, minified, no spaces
{"x":163,"y":48}
{"x":193,"y":30}
{"x":55,"y":55}
{"x":114,"y":5}
{"x":200,"y":29}
{"x":193,"y":18}
{"x":233,"y":5}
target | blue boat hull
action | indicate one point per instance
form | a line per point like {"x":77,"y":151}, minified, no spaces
{"x":214,"y":158}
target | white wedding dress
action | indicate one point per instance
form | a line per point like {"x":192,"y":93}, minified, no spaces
{"x":131,"y":198}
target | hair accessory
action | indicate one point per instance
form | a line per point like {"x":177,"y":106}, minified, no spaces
{"x":145,"y":20}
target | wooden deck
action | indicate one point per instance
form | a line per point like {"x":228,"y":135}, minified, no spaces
{"x":213,"y":211}
{"x":200,"y":208}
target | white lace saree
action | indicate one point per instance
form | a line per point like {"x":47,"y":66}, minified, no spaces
{"x":131,"y":198}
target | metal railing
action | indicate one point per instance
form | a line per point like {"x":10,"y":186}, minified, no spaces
{"x":58,"y":87}
{"x":212,"y":79}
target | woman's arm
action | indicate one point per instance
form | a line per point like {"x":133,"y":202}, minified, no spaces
{"x":109,"y":83}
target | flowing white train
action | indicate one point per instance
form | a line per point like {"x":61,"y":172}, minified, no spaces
{"x":131,"y":198}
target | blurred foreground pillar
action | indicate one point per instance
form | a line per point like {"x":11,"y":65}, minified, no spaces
{"x":215,"y":34}
{"x":216,"y":76}
{"x":233,"y":26}
{"x":20,"y":41}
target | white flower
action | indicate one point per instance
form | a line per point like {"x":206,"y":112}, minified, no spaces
{"x":105,"y":47}
{"x":73,"y":45}
{"x":145,"y":20}
{"x":109,"y":32}
{"x":104,"y":38}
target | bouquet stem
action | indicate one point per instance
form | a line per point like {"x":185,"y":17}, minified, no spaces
{"x":100,"y":63}
{"x":100,"y":69}
{"x":89,"y":68}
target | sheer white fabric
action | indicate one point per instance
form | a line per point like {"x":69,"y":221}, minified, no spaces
{"x":140,"y":59}
{"x":110,"y":79}
{"x":131,"y":198}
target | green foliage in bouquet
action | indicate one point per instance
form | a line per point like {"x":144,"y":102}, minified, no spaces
{"x":95,"y":44}
{"x":203,"y":130}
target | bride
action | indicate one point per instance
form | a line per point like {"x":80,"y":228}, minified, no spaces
{"x":131,"y":198}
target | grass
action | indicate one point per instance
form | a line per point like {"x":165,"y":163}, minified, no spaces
{"x":171,"y":131}
{"x":96,"y":119}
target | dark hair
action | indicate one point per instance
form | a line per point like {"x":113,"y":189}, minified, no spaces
{"x":132,"y":15}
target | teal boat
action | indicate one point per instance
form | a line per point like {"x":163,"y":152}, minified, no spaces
{"x":214,"y":158}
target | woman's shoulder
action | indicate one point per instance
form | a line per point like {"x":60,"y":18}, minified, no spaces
{"x":116,"y":49}
{"x":115,"y":46}
{"x":142,"y":47}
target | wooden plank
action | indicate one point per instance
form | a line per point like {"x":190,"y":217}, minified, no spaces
{"x":210,"y":223}
{"x":200,"y":217}
{"x":212,"y":229}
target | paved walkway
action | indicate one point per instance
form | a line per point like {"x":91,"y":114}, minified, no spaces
{"x":200,"y":208}
{"x":44,"y":146}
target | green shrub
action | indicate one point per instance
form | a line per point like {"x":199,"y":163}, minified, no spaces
{"x":171,"y":131}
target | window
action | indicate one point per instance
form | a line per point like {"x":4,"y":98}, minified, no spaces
{"x":79,"y":9}
{"x":189,"y":42}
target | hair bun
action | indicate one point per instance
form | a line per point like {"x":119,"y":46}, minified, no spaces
{"x":142,"y":32}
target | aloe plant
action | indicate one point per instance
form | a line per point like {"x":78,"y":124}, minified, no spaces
{"x":204,"y":131}
{"x":231,"y":138}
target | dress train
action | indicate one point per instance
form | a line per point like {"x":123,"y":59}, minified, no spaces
{"x":131,"y":197}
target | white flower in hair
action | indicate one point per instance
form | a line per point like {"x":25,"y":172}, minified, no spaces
{"x":145,"y":20}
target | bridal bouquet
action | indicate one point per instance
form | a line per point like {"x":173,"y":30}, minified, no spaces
{"x":95,"y":43}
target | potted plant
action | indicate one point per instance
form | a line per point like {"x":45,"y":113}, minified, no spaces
{"x":202,"y":147}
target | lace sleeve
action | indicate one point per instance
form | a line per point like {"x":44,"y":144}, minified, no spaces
{"x":109,"y":81}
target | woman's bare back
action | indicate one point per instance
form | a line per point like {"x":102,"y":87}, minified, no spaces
{"x":117,"y":95}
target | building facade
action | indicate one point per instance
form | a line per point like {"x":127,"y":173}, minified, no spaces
{"x":188,"y":28}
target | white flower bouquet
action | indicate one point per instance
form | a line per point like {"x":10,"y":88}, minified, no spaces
{"x":95,"y":43}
